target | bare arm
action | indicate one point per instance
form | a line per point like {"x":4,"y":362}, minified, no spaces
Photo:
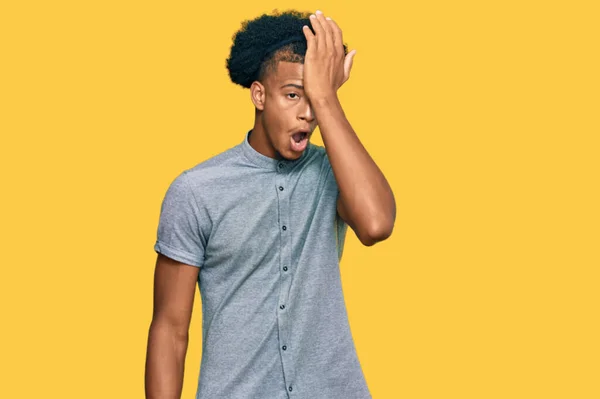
{"x":174,"y":288}
{"x":366,"y":201}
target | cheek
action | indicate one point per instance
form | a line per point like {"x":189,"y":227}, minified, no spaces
{"x":279,"y":116}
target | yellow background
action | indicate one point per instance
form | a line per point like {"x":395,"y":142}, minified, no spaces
{"x":484,"y":117}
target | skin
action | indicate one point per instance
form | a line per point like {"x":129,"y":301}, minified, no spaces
{"x":366,"y":200}
{"x":174,"y":289}
{"x":281,"y":110}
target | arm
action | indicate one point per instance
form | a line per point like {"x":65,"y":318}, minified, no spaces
{"x":366,"y":200}
{"x":174,"y":288}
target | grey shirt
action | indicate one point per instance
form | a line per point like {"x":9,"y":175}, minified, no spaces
{"x":267,"y":238}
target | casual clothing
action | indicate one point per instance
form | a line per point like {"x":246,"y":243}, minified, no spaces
{"x":268,"y":240}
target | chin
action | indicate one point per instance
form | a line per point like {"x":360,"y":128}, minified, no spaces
{"x":293,"y":156}
{"x":290,"y":154}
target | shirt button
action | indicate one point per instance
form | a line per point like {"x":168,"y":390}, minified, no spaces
{"x":290,"y":388}
{"x":280,"y":166}
{"x":284,"y":347}
{"x":285,"y":268}
{"x":285,"y":228}
{"x":282,"y":307}
{"x":280,"y":188}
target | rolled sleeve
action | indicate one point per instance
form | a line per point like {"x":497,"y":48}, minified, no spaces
{"x":179,"y":234}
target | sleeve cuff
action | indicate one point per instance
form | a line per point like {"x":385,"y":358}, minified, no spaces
{"x":177,"y":254}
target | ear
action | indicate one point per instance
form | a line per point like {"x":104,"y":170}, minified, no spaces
{"x":257,"y":95}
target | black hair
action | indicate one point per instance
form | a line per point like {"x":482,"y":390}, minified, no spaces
{"x":264,"y":41}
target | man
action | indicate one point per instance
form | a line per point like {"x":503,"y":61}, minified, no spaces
{"x":260,"y":227}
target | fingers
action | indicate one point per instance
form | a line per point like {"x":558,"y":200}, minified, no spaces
{"x":328,"y":31}
{"x":319,"y":31}
{"x":328,"y":34}
{"x":328,"y":39}
{"x":348,"y":61}
{"x":337,"y":36}
{"x":310,"y":37}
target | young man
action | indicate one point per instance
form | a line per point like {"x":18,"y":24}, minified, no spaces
{"x":260,"y":228}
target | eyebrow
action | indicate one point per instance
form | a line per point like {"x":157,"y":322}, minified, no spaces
{"x":294,"y":85}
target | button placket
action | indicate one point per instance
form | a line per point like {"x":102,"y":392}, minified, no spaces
{"x":285,"y":276}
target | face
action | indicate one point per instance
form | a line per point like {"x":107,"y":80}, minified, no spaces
{"x":283,"y":111}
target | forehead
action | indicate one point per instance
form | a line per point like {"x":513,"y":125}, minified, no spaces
{"x":287,"y":71}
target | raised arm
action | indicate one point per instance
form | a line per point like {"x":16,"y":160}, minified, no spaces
{"x":174,"y":288}
{"x":366,"y":201}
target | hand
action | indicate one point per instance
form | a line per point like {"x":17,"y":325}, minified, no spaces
{"x":326,"y":67}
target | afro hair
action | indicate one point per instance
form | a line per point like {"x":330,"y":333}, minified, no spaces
{"x":264,"y":41}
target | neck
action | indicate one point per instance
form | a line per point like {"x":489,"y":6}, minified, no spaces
{"x":259,"y":140}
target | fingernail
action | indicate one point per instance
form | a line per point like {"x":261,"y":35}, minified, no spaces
{"x":319,"y":12}
{"x":328,"y":18}
{"x":312,"y":15}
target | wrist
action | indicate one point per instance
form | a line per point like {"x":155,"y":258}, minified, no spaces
{"x":324,"y":100}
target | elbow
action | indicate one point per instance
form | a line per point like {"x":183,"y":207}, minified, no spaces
{"x":377,"y":234}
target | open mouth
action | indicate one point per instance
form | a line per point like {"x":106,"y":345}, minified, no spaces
{"x":298,"y":137}
{"x":299,"y":141}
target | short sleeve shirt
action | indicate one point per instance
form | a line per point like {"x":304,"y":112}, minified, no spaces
{"x":267,"y":240}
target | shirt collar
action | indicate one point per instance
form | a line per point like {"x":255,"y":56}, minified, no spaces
{"x":271,"y":163}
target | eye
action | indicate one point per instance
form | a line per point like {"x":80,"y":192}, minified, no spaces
{"x":293,"y":94}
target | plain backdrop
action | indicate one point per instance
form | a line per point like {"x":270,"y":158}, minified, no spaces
{"x":483,"y":116}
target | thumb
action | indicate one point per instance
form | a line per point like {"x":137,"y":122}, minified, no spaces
{"x":348,"y":63}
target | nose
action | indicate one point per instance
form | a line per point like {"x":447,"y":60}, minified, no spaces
{"x":306,"y":113}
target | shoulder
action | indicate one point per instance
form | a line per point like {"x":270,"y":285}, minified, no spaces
{"x":322,"y":160}
{"x":213,"y":167}
{"x":190,"y":185}
{"x":319,"y":151}
{"x":319,"y":157}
